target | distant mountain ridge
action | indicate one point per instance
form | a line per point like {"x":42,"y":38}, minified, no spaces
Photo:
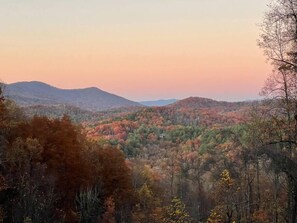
{"x":38,"y":93}
{"x":199,"y":102}
{"x":161,"y":102}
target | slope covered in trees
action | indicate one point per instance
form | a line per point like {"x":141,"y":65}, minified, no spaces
{"x":196,"y":163}
{"x":49,"y":169}
{"x":197,"y":160}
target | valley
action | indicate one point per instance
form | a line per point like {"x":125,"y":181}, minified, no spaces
{"x":181,"y":153}
{"x":148,"y":111}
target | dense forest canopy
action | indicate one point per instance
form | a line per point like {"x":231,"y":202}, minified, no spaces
{"x":197,"y":160}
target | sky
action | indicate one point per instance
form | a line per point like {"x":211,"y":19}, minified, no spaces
{"x":138,"y":49}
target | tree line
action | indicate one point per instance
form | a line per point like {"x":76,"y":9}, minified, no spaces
{"x":152,"y":168}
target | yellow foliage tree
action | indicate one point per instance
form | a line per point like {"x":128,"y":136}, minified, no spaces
{"x":176,"y":212}
{"x":224,"y":194}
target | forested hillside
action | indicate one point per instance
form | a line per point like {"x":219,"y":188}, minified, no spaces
{"x":196,"y":160}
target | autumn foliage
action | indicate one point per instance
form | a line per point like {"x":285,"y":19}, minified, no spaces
{"x":45,"y":156}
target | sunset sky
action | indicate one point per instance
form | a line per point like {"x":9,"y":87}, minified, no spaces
{"x":139,"y":49}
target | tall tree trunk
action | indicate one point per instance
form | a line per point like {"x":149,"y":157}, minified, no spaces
{"x":275,"y":197}
{"x":294,"y":203}
{"x":258,"y":186}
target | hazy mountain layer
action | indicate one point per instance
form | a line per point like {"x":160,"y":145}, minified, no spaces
{"x":38,"y":93}
{"x":162,"y":102}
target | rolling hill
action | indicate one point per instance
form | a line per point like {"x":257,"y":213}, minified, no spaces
{"x":37,"y":93}
{"x":200,"y":103}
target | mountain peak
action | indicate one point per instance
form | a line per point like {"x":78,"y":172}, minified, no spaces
{"x":38,"y":93}
{"x":198,"y":102}
{"x":31,"y":83}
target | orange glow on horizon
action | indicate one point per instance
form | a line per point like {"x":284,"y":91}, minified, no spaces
{"x":182,"y":52}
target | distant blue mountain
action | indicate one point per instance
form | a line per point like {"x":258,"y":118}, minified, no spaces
{"x":38,"y":93}
{"x":158,"y":102}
